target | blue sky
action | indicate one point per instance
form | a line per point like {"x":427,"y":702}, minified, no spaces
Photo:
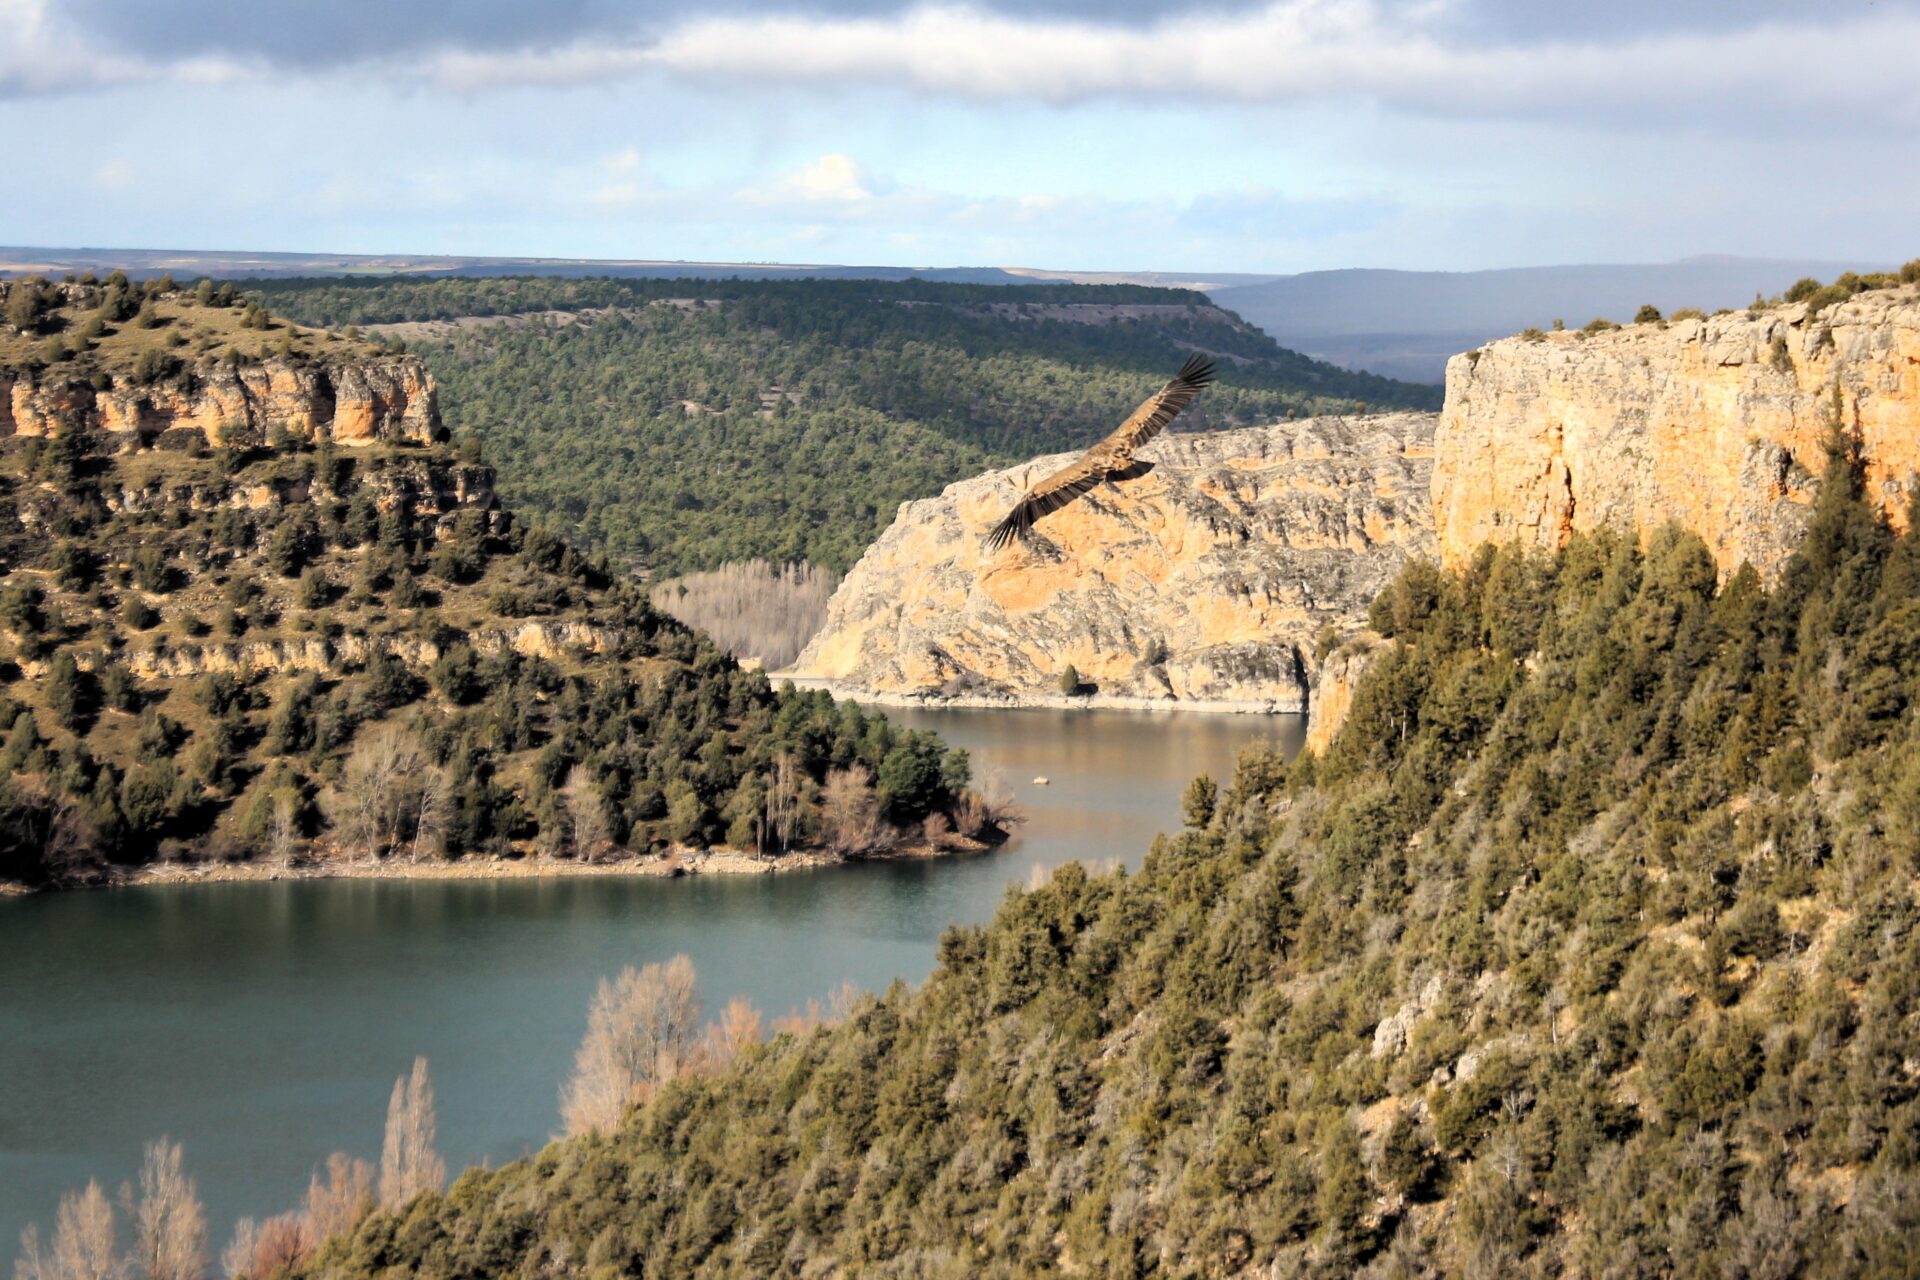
{"x":1267,"y":135}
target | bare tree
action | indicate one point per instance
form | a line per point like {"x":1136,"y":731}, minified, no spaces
{"x":236,"y":1260}
{"x":169,"y":1226}
{"x":752,"y":609}
{"x":784,"y":794}
{"x":283,"y":825}
{"x":336,"y":1206}
{"x":432,"y":810}
{"x":409,"y":1166}
{"x":852,"y":812}
{"x":738,"y":1028}
{"x":639,"y":1033}
{"x":279,"y":1243}
{"x":587,"y":807}
{"x":83,"y":1246}
{"x":989,"y":809}
{"x":377,"y":791}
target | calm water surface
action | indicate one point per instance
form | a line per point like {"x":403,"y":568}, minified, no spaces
{"x":261,"y":1025}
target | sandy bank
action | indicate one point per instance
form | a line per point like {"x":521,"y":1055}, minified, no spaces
{"x":1053,"y":701}
{"x":688,"y":862}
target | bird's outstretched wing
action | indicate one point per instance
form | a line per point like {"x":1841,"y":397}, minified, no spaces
{"x":1111,"y":459}
{"x":1158,"y":409}
{"x":1051,"y":494}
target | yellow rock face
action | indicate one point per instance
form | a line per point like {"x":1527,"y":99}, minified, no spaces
{"x":1714,"y":423}
{"x":1205,"y":580}
{"x":389,"y":398}
{"x":1333,"y":689}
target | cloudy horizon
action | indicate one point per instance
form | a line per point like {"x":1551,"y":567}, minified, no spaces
{"x":1255,"y":137}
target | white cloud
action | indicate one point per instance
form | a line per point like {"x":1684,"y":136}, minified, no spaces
{"x":1805,"y":72}
{"x":115,"y":174}
{"x":1292,"y":50}
{"x":831,"y":177}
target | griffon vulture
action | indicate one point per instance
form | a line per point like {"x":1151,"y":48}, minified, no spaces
{"x":1111,"y":459}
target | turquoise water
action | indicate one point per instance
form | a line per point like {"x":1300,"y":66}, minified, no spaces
{"x":262,"y":1025}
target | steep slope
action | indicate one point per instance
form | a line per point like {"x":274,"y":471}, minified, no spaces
{"x":1590,"y":947}
{"x":1209,"y":581}
{"x":253,"y":607}
{"x":1713,"y":421}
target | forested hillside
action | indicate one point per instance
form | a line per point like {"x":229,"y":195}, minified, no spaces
{"x":1589,"y":948}
{"x":227,"y":635}
{"x":680,"y":424}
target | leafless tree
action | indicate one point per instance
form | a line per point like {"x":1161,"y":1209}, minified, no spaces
{"x":336,"y":1206}
{"x":409,"y":1165}
{"x":432,"y":809}
{"x":738,"y":1028}
{"x":83,"y":1245}
{"x":236,"y":1260}
{"x":752,"y":609}
{"x":785,"y":792}
{"x":852,"y":821}
{"x":378,"y":791}
{"x":169,"y":1226}
{"x":256,"y":1252}
{"x":639,"y":1032}
{"x":988,"y":809}
{"x":587,"y":807}
{"x":283,"y":826}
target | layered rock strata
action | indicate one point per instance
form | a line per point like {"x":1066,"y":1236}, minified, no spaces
{"x":1716,"y":423}
{"x":351,"y":401}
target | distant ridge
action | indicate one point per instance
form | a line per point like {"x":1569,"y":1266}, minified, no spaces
{"x":19,"y":260}
{"x":1400,"y":324}
{"x":1404,"y":324}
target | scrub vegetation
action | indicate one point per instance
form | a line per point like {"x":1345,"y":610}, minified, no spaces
{"x":1590,"y":946}
{"x":289,"y":651}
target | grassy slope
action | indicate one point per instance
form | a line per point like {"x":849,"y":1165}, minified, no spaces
{"x":1591,"y":947}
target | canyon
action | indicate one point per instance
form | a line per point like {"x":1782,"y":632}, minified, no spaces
{"x":1237,"y":575}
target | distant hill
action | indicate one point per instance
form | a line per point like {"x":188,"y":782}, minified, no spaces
{"x":679,"y":425}
{"x":1404,"y":324}
{"x":1399,"y":324}
{"x":254,"y":607}
{"x":23,"y":260}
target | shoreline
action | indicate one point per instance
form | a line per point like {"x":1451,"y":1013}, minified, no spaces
{"x":843,"y":692}
{"x":719,"y":861}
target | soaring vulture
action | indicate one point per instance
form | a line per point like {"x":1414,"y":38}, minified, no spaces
{"x":1111,"y":459}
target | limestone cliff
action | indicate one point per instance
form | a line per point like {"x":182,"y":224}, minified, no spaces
{"x":1204,"y":582}
{"x":1334,"y":685}
{"x":354,"y":401}
{"x":1716,"y":423}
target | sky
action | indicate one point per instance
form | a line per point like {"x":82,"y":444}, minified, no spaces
{"x":1249,"y":135}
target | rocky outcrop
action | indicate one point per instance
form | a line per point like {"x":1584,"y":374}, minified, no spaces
{"x":1205,"y":581}
{"x":1716,"y":423}
{"x":1334,"y":684}
{"x":324,"y":655}
{"x":353,"y":402}
{"x":431,"y":489}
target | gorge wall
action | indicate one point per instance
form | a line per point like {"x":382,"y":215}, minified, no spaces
{"x":353,"y":401}
{"x":1207,"y":581}
{"x":1716,"y":423}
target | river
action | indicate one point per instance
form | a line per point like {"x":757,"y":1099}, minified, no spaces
{"x":262,"y":1025}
